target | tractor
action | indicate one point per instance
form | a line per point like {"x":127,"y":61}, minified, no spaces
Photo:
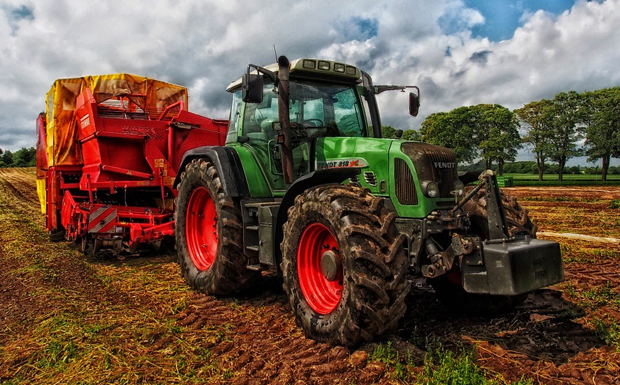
{"x":305,"y":187}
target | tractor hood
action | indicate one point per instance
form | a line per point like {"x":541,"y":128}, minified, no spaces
{"x":402,"y":170}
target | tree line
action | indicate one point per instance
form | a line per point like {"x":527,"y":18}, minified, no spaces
{"x":24,"y":157}
{"x":569,"y":125}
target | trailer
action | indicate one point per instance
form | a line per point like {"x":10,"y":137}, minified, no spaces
{"x":108,"y":151}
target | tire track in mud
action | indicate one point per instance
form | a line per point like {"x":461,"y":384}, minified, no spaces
{"x":260,"y":342}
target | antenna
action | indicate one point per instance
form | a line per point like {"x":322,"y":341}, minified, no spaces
{"x":275,"y":52}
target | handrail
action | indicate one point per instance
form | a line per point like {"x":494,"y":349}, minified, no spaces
{"x":180,"y":102}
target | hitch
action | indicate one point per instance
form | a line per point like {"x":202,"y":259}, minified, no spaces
{"x":443,"y":261}
{"x":498,"y":227}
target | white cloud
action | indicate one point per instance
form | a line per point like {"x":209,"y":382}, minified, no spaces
{"x":206,"y":44}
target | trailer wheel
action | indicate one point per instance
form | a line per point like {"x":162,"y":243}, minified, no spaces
{"x":209,"y":233}
{"x":344,"y":265}
{"x":57,"y":235}
{"x":449,"y":288}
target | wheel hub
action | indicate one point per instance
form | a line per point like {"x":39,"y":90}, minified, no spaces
{"x":331,"y":265}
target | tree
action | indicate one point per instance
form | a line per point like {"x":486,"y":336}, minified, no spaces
{"x":602,"y":121}
{"x":389,"y":132}
{"x":497,"y":134}
{"x":567,"y":114}
{"x":412,"y":135}
{"x":25,"y":157}
{"x":536,"y":119}
{"x":452,"y":129}
{"x":7,"y":159}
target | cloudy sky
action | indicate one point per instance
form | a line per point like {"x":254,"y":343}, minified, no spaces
{"x":459,"y":52}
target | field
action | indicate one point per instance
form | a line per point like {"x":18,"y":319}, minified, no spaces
{"x":65,"y":319}
{"x":568,"y":179}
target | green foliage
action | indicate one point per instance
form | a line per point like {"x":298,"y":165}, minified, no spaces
{"x":412,"y":135}
{"x":615,"y":204}
{"x":7,"y":159}
{"x":485,"y":130}
{"x":389,"y":132}
{"x":567,"y":115}
{"x":443,"y":367}
{"x":536,"y":119}
{"x":390,"y":357}
{"x":555,"y":127}
{"x":602,"y":121}
{"x":609,"y":332}
{"x":25,"y":157}
{"x":454,"y":129}
{"x":497,"y":134}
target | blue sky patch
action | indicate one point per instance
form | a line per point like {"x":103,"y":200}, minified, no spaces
{"x":16,"y":14}
{"x":502,"y":17}
{"x":360,"y":28}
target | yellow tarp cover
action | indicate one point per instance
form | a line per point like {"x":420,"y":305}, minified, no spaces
{"x":152,"y":96}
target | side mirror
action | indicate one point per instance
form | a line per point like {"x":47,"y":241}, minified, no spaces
{"x":252,"y":88}
{"x":398,"y":133}
{"x":414,"y":103}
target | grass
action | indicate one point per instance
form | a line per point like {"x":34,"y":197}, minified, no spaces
{"x":441,"y":367}
{"x":595,"y":298}
{"x":608,"y":331}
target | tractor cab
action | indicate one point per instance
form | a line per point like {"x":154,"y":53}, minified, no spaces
{"x":326,"y":104}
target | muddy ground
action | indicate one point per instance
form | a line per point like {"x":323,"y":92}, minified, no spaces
{"x":66,"y":319}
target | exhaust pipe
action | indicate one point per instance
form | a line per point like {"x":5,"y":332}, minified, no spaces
{"x":285,"y":121}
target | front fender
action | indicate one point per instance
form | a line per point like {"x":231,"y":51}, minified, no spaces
{"x":315,"y":178}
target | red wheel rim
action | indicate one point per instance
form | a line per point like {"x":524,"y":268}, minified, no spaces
{"x":201,"y":229}
{"x":321,"y":294}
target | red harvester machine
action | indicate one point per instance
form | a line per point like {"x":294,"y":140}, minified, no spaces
{"x":108,"y":148}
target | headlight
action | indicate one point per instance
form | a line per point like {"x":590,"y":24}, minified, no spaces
{"x":430,"y":189}
{"x":458,"y":188}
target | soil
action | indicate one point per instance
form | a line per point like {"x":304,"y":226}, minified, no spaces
{"x":166,"y":331}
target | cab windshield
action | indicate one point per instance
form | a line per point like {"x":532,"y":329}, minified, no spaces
{"x":316,"y":110}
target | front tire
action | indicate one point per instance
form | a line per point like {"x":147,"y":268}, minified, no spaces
{"x":344,"y":265}
{"x":209,"y":234}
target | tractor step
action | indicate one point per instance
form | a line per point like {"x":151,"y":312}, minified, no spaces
{"x":257,"y":267}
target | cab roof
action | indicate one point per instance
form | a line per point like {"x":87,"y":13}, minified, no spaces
{"x":313,"y":69}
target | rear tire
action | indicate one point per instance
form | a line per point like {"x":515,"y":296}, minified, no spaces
{"x":449,"y":288}
{"x":364,"y":297}
{"x":209,"y":233}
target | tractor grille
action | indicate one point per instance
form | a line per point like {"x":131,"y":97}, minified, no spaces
{"x":405,"y":188}
{"x":433,"y":163}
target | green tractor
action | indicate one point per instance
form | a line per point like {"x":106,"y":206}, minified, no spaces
{"x":307,"y":187}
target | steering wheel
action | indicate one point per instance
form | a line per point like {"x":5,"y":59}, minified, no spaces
{"x":312,"y":123}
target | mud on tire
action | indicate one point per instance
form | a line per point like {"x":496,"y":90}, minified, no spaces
{"x":448,"y":288}
{"x":368,"y":299}
{"x":209,"y":234}
{"x":517,"y":217}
